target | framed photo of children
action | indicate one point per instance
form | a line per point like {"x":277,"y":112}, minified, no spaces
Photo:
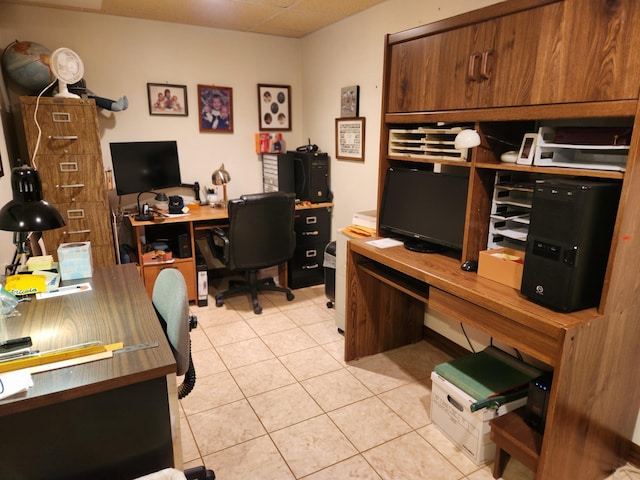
{"x":216,"y":109}
{"x":274,"y":107}
{"x":165,"y":99}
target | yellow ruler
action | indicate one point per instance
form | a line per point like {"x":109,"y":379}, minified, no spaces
{"x":56,"y":356}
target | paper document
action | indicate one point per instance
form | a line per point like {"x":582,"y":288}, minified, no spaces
{"x":81,"y":287}
{"x":385,"y":243}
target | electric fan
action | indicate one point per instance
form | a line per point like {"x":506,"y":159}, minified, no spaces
{"x":68,"y":68}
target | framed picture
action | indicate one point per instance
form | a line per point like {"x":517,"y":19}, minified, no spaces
{"x":349,"y":101}
{"x":350,"y":138}
{"x":274,"y":107}
{"x":216,"y":109}
{"x":165,"y":99}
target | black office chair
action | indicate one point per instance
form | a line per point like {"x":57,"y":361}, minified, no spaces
{"x":260,"y":235}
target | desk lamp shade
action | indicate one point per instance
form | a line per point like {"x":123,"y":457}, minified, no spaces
{"x":28,"y":212}
{"x":221,"y":177}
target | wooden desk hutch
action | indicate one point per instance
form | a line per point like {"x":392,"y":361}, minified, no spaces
{"x":505,"y":70}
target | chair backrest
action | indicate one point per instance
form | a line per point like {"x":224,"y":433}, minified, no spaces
{"x":261,"y":232}
{"x":172,"y":304}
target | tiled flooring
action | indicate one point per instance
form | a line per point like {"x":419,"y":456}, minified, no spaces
{"x":275,"y":400}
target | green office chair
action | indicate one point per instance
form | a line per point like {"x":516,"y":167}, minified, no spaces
{"x":172,"y":306}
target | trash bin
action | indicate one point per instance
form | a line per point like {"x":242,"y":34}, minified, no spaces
{"x":330,"y":273}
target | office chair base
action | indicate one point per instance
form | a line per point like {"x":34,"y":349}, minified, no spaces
{"x":252,"y":286}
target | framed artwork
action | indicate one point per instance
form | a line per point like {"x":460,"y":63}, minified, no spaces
{"x":165,"y":99}
{"x":216,"y":109}
{"x":350,"y":133}
{"x":274,"y":107}
{"x":349,"y":106}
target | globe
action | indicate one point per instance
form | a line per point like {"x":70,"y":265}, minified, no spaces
{"x":27,"y":64}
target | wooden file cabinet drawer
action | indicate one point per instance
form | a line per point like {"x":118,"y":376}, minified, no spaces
{"x":71,"y":178}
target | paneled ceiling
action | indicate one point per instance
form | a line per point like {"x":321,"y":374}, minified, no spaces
{"x":288,"y":18}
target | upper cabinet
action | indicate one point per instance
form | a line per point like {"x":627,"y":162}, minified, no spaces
{"x":534,"y":56}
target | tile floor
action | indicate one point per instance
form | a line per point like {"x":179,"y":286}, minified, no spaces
{"x":274,"y":400}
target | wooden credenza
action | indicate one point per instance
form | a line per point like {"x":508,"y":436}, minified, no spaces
{"x":69,"y":160}
{"x":504,"y":70}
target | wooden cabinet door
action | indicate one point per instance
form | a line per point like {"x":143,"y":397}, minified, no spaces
{"x":589,"y":52}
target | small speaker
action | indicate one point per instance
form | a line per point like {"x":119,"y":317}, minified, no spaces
{"x":184,"y":246}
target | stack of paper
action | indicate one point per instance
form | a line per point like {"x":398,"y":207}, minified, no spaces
{"x":43,"y":262}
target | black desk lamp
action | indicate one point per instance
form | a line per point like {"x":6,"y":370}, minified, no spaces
{"x":147,"y":216}
{"x":27,"y":212}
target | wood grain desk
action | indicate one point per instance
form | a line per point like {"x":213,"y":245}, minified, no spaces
{"x":104,"y":419}
{"x":197,"y":220}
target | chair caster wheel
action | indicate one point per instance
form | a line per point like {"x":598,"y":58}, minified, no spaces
{"x":219,"y":303}
{"x":290,"y":296}
{"x":257,"y":310}
{"x":329,"y":304}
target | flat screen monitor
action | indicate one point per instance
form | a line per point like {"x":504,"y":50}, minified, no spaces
{"x":144,"y":166}
{"x":426,"y":208}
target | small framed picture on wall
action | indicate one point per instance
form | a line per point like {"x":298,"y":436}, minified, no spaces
{"x":165,"y":99}
{"x":274,"y":107}
{"x":349,"y":98}
{"x":216,"y":109}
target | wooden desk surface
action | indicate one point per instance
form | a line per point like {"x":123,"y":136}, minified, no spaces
{"x":117,"y":309}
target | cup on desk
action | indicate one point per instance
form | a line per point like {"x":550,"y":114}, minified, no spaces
{"x":212,"y":199}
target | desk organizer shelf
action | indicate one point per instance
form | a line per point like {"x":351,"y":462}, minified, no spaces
{"x":510,"y":211}
{"x":549,"y":153}
{"x":426,"y":143}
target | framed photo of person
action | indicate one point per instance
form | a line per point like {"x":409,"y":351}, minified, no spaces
{"x":165,"y":99}
{"x":274,"y":107}
{"x":215,"y":109}
{"x":349,"y":101}
{"x":350,"y":132}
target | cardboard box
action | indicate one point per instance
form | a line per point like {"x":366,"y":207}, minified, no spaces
{"x":503,"y":265}
{"x":470,"y":431}
{"x":75,"y":260}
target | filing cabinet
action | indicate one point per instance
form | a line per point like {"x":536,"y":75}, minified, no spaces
{"x":313,"y":233}
{"x":69,"y":159}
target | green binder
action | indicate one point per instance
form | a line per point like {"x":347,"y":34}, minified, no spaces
{"x":492,"y":377}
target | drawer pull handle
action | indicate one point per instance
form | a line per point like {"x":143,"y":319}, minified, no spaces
{"x":63,"y":137}
{"x":311,"y":253}
{"x":68,"y":166}
{"x":472,"y":66}
{"x":311,"y":220}
{"x":310,"y":234}
{"x":74,"y":185}
{"x":61,"y":117}
{"x":78,"y":213}
{"x":485,"y":72}
{"x":75,"y":232}
{"x":310,"y":267}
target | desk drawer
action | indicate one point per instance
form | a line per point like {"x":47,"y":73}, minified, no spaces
{"x":312,"y":225}
{"x":305,"y":268}
{"x":187,"y":268}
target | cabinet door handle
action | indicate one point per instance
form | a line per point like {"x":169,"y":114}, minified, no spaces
{"x":75,"y":185}
{"x":63,"y":137}
{"x":485,"y":71}
{"x":310,"y":233}
{"x":310,"y":267}
{"x":473,"y":61}
{"x":75,"y":232}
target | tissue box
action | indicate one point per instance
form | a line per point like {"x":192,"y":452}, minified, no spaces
{"x":503,"y":265}
{"x":75,"y":260}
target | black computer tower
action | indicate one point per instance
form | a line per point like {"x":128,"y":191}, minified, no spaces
{"x":568,"y":242}
{"x":311,"y":172}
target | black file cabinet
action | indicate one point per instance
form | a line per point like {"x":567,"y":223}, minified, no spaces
{"x":313,"y":233}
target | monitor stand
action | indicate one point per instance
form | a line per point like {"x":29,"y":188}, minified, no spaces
{"x":422,"y":246}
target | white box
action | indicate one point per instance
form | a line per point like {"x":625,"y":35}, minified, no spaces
{"x":75,"y":260}
{"x":451,"y":413}
{"x":365,"y":219}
